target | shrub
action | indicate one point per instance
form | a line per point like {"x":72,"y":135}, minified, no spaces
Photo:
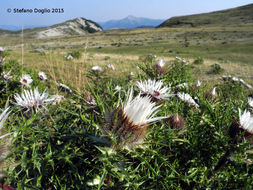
{"x":198,"y":61}
{"x":216,"y":69}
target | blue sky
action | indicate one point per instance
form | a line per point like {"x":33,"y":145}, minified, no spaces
{"x":103,"y":10}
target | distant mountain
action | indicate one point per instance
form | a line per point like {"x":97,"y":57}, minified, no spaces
{"x":130,"y":22}
{"x":71,"y":27}
{"x":235,"y":16}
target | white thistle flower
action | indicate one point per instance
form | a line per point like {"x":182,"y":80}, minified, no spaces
{"x":95,"y":181}
{"x":246,"y":84}
{"x":161,"y":63}
{"x":26,"y":80}
{"x":235,"y":79}
{"x":69,"y":57}
{"x":183,"y":85}
{"x":250,"y":101}
{"x":6,"y":76}
{"x":187,"y":98}
{"x":110,"y":66}
{"x":132,"y":118}
{"x":2,"y":49}
{"x":198,"y":84}
{"x":140,"y":110}
{"x":132,"y":74}
{"x":32,"y":100}
{"x":154,"y":89}
{"x":4,"y":150}
{"x":117,"y":88}
{"x":64,"y":87}
{"x":57,"y":99}
{"x":179,"y":58}
{"x":246,"y":121}
{"x":96,"y":68}
{"x":42,"y":76}
{"x":3,"y":118}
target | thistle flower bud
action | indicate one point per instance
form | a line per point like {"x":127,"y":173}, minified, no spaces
{"x":176,"y":121}
{"x":160,"y":67}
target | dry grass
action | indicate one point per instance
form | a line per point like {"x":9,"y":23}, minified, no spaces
{"x":122,"y":48}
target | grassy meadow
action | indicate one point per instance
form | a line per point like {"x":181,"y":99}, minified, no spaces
{"x":229,"y":46}
{"x":89,"y":140}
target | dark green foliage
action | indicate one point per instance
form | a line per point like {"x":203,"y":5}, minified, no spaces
{"x":231,"y":90}
{"x":58,"y":153}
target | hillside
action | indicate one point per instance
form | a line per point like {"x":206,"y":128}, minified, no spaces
{"x":131,"y":22}
{"x":71,"y":27}
{"x":230,"y":17}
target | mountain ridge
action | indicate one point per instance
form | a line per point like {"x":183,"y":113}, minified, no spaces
{"x":75,"y":26}
{"x":130,"y":22}
{"x":233,"y":16}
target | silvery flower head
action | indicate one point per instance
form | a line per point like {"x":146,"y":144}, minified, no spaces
{"x":57,"y":99}
{"x":69,"y":57}
{"x":1,"y":49}
{"x":4,"y":150}
{"x":179,"y":58}
{"x":132,"y":118}
{"x":187,"y":98}
{"x":235,"y":79}
{"x":32,"y":100}
{"x":4,"y":115}
{"x":246,"y":121}
{"x":161,"y":63}
{"x":183,"y":85}
{"x":64,"y":87}
{"x":110,"y":66}
{"x":6,"y":76}
{"x":26,"y":80}
{"x":154,"y":89}
{"x":250,"y":101}
{"x":42,"y":76}
{"x":117,"y":88}
{"x":198,"y":84}
{"x":96,"y":69}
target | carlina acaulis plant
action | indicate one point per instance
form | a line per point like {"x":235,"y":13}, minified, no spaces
{"x":129,"y":122}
